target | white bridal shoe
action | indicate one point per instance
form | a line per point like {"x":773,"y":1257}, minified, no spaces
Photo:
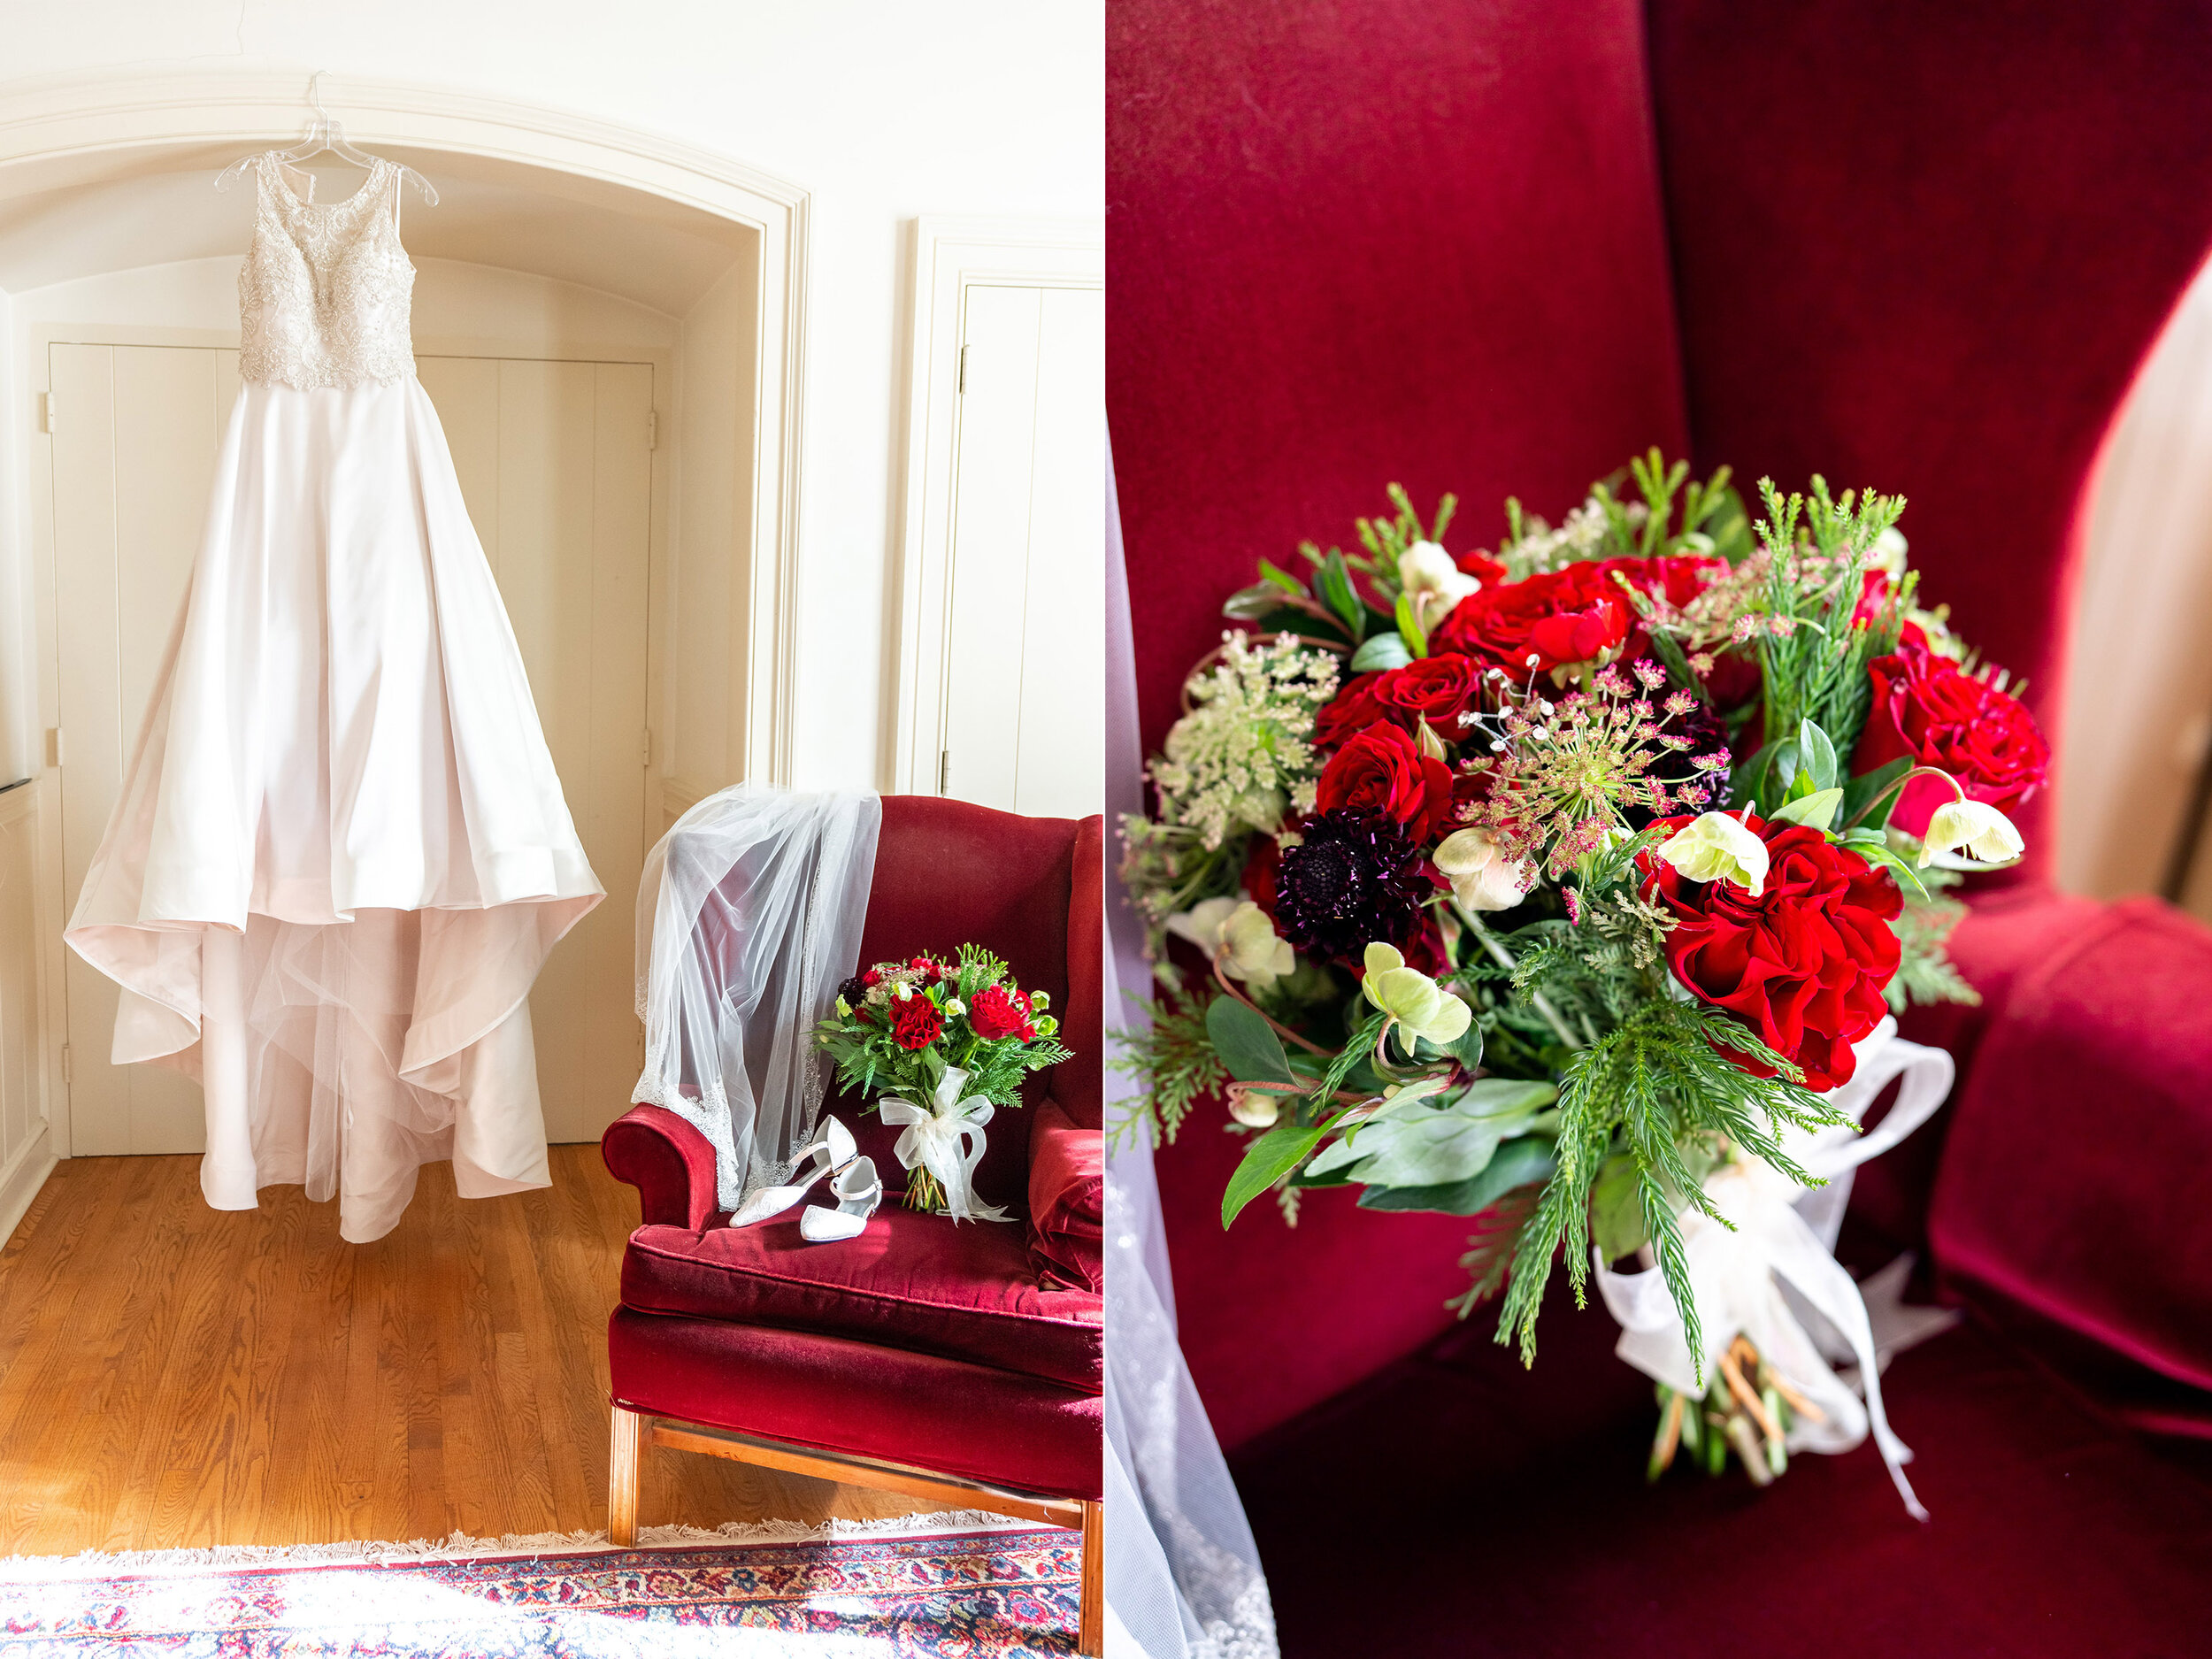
{"x":858,"y":1190}
{"x":853,"y":1182}
{"x":831,"y":1149}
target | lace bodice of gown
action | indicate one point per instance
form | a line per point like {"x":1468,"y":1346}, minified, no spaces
{"x":324,"y":296}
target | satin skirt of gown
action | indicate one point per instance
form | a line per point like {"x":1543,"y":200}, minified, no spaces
{"x":341,"y":854}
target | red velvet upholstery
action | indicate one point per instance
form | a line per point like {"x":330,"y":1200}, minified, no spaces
{"x":910,"y":1281}
{"x":1067,"y":1201}
{"x":2075,"y":1198}
{"x":861,"y":1398}
{"x":920,"y":1342}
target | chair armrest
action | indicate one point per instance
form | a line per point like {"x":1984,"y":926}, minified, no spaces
{"x":1067,"y":1200}
{"x":669,"y":1162}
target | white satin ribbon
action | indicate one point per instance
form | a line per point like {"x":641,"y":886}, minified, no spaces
{"x":946,"y":1138}
{"x":1733,"y":1274}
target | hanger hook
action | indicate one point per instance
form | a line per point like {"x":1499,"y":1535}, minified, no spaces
{"x":315,"y":96}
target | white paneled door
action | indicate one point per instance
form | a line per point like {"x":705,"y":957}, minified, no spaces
{"x":1024,"y":720}
{"x":555,"y":466}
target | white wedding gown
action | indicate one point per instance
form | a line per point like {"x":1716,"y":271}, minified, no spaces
{"x":340,"y":854}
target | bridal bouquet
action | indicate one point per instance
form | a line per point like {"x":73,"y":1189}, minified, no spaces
{"x":1562,"y":886}
{"x":941,"y":1042}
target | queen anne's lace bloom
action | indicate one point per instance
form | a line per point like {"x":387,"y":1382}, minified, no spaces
{"x":1244,"y":755}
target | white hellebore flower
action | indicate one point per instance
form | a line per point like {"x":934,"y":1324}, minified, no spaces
{"x":1714,"y":847}
{"x":1887,"y":554}
{"x":1250,"y":949}
{"x":1418,"y":1004}
{"x":1432,"y":582}
{"x":1483,"y":879}
{"x":1202,"y":923}
{"x":1240,"y":934}
{"x":1254,"y":1108}
{"x":1985,"y":833}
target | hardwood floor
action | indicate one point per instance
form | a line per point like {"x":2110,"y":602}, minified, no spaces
{"x":174,"y":1375}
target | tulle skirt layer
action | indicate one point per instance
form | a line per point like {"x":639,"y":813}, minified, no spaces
{"x":340,"y":854}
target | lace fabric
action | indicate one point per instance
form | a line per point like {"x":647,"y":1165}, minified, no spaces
{"x":1183,"y":1575}
{"x":750,"y":914}
{"x":325,"y":295}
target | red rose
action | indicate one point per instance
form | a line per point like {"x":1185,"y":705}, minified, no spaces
{"x":995,"y":1014}
{"x":1481,"y":566}
{"x":1926,"y":710}
{"x":1381,"y":773}
{"x":1803,"y":964}
{"x":915,"y":1022}
{"x":1565,"y":616}
{"x":1435,"y":688}
{"x":1352,"y":711}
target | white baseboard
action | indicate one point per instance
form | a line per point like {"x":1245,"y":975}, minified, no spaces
{"x":26,"y":1173}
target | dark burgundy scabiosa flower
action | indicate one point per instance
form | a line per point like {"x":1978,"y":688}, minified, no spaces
{"x":1675,"y":769}
{"x":1352,"y":880}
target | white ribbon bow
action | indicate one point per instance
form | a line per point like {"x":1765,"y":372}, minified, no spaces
{"x":1734,"y":1276}
{"x":946,"y":1138}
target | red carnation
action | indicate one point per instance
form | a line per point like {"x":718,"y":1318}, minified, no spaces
{"x":1928,"y":711}
{"x":1804,"y":964}
{"x":915,"y":1021}
{"x":995,"y":1014}
{"x":930,"y":972}
{"x":1435,"y":688}
{"x":1352,"y":711}
{"x":1380,"y":773}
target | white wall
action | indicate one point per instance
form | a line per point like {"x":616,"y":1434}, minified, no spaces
{"x":2139,"y":678}
{"x":882,"y":109}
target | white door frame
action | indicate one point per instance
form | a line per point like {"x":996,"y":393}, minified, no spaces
{"x":949,"y":255}
{"x":76,"y":130}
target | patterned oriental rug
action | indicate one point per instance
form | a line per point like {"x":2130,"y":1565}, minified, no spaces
{"x":845,"y":1590}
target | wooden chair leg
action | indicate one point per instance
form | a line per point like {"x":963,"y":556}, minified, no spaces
{"x":1091,"y":1635}
{"x":622,"y":1479}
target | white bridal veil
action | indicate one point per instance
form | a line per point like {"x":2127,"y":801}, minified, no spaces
{"x":749,"y":917}
{"x":1183,"y":1578}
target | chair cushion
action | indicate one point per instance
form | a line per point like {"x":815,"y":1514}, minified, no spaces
{"x":974,"y":1421}
{"x":1067,"y":1201}
{"x":910,"y":1281}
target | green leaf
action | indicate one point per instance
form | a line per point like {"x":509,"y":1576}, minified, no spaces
{"x":1818,"y":755}
{"x":1282,"y":578}
{"x":1468,"y":1049}
{"x":1420,"y":1145}
{"x":1817,"y":809}
{"x":1247,"y":1044}
{"x":1616,"y":1213}
{"x":1250,"y":605}
{"x":1518,"y":1163}
{"x":1862,"y":791}
{"x":1333,"y":583}
{"x":1879,"y":852}
{"x":1410,"y":628}
{"x":1274,"y":1156}
{"x":1385,"y":651}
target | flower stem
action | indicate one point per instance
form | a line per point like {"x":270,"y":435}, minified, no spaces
{"x":1503,"y":957}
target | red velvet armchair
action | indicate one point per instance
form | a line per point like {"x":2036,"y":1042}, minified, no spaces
{"x":1499,"y":249}
{"x":959,"y":1364}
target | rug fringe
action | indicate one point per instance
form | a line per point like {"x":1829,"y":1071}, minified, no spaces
{"x":460,"y":1546}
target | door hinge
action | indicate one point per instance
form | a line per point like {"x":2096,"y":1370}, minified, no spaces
{"x":645,"y":749}
{"x":46,"y":415}
{"x":961,"y":390}
{"x":944,"y":771}
{"x":652,"y":428}
{"x":53,"y":746}
{"x":66,"y":1070}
